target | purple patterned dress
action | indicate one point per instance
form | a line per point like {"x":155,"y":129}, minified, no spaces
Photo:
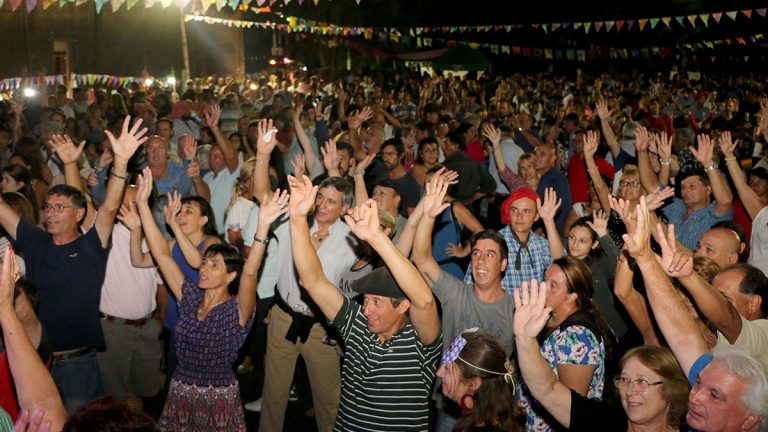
{"x":204,"y":394}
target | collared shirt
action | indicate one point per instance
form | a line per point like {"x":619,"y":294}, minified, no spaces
{"x":689,"y":231}
{"x":533,"y":265}
{"x":336,"y":253}
{"x":265,"y":287}
{"x":221,"y":184}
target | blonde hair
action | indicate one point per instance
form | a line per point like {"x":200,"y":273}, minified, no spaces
{"x":242,"y":185}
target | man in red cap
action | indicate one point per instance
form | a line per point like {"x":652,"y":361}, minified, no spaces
{"x":529,"y":255}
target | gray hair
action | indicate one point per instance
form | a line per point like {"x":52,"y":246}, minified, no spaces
{"x":341,"y":185}
{"x":749,"y":370}
{"x":628,"y":130}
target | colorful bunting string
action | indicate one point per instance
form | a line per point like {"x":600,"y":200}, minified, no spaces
{"x":80,"y":80}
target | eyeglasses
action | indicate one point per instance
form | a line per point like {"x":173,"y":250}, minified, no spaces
{"x":58,"y":207}
{"x":624,"y":183}
{"x":641,"y":384}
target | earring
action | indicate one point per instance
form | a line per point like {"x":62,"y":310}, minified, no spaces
{"x":466,"y":403}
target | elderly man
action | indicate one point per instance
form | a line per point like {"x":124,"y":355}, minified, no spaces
{"x":544,"y":158}
{"x":729,"y":388}
{"x":392,"y":341}
{"x":721,"y":244}
{"x":68,"y":269}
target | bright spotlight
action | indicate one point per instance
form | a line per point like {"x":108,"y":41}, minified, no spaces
{"x":286,"y":60}
{"x":171,"y":80}
{"x":253,"y":86}
{"x":30,"y":92}
{"x":272,"y":62}
{"x":148,"y":82}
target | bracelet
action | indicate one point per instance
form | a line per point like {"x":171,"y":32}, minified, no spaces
{"x":359,"y":173}
{"x":730,"y":158}
{"x":121,"y":177}
{"x":262,"y":241}
{"x":665,"y":162}
{"x":711,"y":168}
{"x":262,"y":160}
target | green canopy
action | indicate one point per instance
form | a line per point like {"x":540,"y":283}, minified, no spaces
{"x":462,"y":58}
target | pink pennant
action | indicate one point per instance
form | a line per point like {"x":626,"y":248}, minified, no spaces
{"x":717,"y":16}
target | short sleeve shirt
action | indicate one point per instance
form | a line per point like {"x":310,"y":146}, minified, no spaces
{"x":689,"y":231}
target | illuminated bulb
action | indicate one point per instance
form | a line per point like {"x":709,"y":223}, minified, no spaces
{"x":29,"y":92}
{"x":253,"y":86}
{"x":148,"y":82}
{"x":272,"y":62}
{"x":171,"y":81}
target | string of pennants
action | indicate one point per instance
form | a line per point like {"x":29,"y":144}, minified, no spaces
{"x":198,"y":6}
{"x":79,"y":80}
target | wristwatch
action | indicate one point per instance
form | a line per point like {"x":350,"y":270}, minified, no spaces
{"x":264,"y":241}
{"x":711,"y":168}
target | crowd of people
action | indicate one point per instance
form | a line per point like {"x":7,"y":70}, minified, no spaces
{"x":476,"y":253}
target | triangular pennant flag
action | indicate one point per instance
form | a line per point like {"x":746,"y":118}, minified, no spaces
{"x":692,"y":20}
{"x":205,"y":4}
{"x":630,"y":24}
{"x":717,"y":16}
{"x":642,"y":23}
{"x":598,"y":26}
{"x":746,"y":59}
{"x":131,"y":3}
{"x":665,"y":20}
{"x":505,"y":49}
{"x":587,"y":25}
{"x":761,"y":11}
{"x":555,"y":26}
{"x":31,"y":5}
{"x":609,"y":25}
{"x":731,"y":15}
{"x":545,"y":27}
{"x":576,"y":26}
{"x":219,"y":4}
{"x":679,"y":20}
{"x":705,"y":19}
{"x":46,"y":3}
{"x":747,"y":13}
{"x":116,"y":4}
{"x":149,"y":3}
{"x":619,"y":25}
{"x":654,"y":22}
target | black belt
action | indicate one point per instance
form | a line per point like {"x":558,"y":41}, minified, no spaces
{"x":301,"y":324}
{"x":131,"y":322}
{"x":73,"y":354}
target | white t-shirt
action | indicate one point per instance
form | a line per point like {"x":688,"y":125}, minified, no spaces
{"x":758,"y":243}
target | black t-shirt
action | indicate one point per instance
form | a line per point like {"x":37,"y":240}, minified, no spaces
{"x":590,"y":415}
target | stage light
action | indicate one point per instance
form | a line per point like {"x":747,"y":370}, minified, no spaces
{"x":30,"y":92}
{"x":148,"y":82}
{"x":171,"y":81}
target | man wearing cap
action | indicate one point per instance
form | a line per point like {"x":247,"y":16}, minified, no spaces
{"x":483,"y":304}
{"x":393,"y":340}
{"x":529,"y":255}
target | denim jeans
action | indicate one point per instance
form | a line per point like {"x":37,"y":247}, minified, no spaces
{"x":78,"y":380}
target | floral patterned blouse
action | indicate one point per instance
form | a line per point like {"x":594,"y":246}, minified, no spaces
{"x":572,"y":343}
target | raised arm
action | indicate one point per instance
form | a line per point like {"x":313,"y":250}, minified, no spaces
{"x":748,"y":197}
{"x":212,"y":117}
{"x":633,"y":302}
{"x":647,"y":177}
{"x":264,"y":145}
{"x":531,"y":315}
{"x":129,"y":216}
{"x":157,"y":244}
{"x":602,"y":189}
{"x":327,"y":296}
{"x":672,"y":316}
{"x":331,"y":158}
{"x":192,"y":254}
{"x":188,"y":150}
{"x":35,"y":388}
{"x":664,"y":148}
{"x":720,"y":189}
{"x":361,"y":191}
{"x":269,"y":211}
{"x":547,"y":211}
{"x":604,"y":113}
{"x":432,"y":206}
{"x":306,"y":143}
{"x":123,"y":148}
{"x":364,"y":222}
{"x":69,"y":154}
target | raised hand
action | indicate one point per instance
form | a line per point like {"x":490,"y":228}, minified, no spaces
{"x":271,"y":209}
{"x":8,"y":278}
{"x":363,"y":220}
{"x":125,"y":146}
{"x":66,"y":149}
{"x":599,"y":223}
{"x":330,"y":156}
{"x":492,"y":133}
{"x":129,"y":215}
{"x":665,"y":147}
{"x":590,"y":144}
{"x":656,"y":198}
{"x":432,"y":201}
{"x":676,"y":263}
{"x":193,"y":170}
{"x":602,"y":109}
{"x":638,"y":237}
{"x":34,"y":422}
{"x":449,"y":176}
{"x":212,"y":116}
{"x":144,"y":183}
{"x":266,"y":141}
{"x":302,"y":198}
{"x":642,"y":139}
{"x":363,"y":164}
{"x":704,"y":153}
{"x":457,"y":251}
{"x":727,"y":145}
{"x":172,"y":209}
{"x":355,"y":121}
{"x":531,"y":311}
{"x":625,"y":211}
{"x":299,"y":164}
{"x":548,"y":208}
{"x":188,"y":147}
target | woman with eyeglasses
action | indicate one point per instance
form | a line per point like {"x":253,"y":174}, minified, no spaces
{"x":477,"y":374}
{"x":652,"y":390}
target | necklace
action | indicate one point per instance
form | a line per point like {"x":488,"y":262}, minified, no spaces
{"x":320,"y":237}
{"x":204,"y":308}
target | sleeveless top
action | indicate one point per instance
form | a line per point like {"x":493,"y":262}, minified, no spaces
{"x":172,"y":312}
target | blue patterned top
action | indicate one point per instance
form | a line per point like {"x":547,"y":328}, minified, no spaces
{"x":533,"y":265}
{"x":207,"y":349}
{"x":572,"y":344}
{"x":689,"y":231}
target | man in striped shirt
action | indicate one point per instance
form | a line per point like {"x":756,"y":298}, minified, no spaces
{"x":393,"y":340}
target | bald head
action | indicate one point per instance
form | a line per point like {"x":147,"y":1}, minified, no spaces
{"x":720,"y":244}
{"x":544,"y":158}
